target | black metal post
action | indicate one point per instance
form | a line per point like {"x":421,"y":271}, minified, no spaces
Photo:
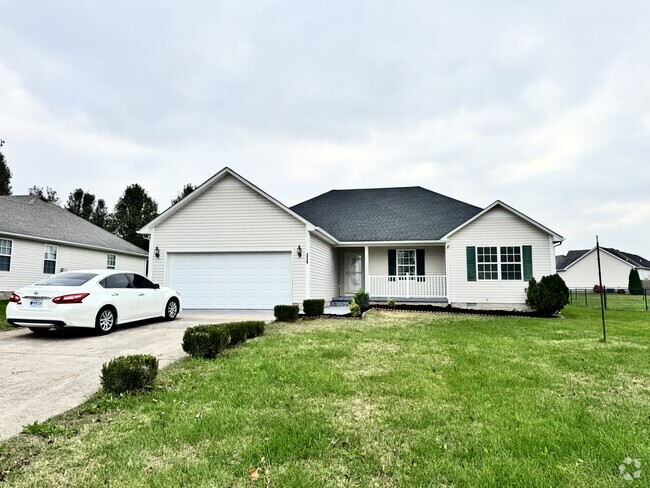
{"x":600,"y":283}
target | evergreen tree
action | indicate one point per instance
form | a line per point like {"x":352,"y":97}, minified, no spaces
{"x":133,"y":210}
{"x":81,"y":203}
{"x":634,"y":284}
{"x":5,"y":176}
{"x":100,"y":215}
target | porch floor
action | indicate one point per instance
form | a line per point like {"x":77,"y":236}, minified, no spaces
{"x":343,"y":300}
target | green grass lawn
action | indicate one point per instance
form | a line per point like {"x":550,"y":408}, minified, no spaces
{"x":614,"y":300}
{"x":396,"y":399}
{"x":3,"y":316}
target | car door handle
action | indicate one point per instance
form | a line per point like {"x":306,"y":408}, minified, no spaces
{"x":115,"y":294}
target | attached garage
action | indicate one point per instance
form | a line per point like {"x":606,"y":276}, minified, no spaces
{"x":248,"y":280}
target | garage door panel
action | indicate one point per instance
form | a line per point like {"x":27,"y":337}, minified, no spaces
{"x":231,"y":280}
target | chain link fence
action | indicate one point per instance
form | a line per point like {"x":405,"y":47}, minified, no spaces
{"x":614,"y":298}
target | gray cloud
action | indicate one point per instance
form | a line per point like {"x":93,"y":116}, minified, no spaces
{"x":543,"y":105}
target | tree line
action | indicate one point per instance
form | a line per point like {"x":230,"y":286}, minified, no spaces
{"x":133,"y":209}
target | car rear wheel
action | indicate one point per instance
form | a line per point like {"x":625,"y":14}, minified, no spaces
{"x":39,"y":330}
{"x":171,"y":310}
{"x":105,"y":321}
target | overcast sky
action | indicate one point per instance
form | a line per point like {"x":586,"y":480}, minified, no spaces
{"x":543,"y":105}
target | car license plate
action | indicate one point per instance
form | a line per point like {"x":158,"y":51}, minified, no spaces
{"x":36,"y":304}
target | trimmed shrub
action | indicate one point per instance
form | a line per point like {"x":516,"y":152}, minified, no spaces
{"x":634,"y":283}
{"x":129,"y":374}
{"x":363,"y":299}
{"x":255,"y":329}
{"x":355,"y":309}
{"x":286,"y":313}
{"x":621,"y":291}
{"x":313,"y":307}
{"x":548,"y":296}
{"x":390,"y":303}
{"x":598,"y":288}
{"x":206,"y":341}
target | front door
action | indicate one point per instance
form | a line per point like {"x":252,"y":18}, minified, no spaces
{"x":353,"y":272}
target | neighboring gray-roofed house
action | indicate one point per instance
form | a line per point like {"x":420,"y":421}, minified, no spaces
{"x":39,"y":238}
{"x":579,"y":268}
{"x":231,"y":245}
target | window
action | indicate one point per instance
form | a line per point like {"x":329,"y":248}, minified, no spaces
{"x":406,"y":262}
{"x":110,"y":261}
{"x":510,"y":263}
{"x":141,"y":281}
{"x":486,"y":262}
{"x":67,"y":279}
{"x":5,"y":254}
{"x":116,"y":281}
{"x":49,"y":263}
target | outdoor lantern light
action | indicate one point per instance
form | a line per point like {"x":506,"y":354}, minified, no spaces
{"x":156,"y":252}
{"x":299,"y":251}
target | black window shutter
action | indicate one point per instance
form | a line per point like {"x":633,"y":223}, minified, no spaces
{"x":527,"y":255}
{"x":471,"y":263}
{"x":392,"y":262}
{"x":419,"y":262}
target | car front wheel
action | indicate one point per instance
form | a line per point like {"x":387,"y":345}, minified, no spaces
{"x":105,"y":321}
{"x":171,"y":310}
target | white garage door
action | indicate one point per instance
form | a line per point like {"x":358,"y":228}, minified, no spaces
{"x":231,"y":280}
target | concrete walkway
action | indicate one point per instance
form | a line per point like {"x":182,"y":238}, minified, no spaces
{"x":42,"y":376}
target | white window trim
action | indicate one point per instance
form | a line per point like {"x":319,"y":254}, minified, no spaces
{"x":9,"y":255}
{"x":499,"y":262}
{"x":108,"y":261}
{"x":414,"y":265}
{"x":56,"y":256}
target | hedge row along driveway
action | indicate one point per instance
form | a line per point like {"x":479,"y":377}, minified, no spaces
{"x":47,"y":375}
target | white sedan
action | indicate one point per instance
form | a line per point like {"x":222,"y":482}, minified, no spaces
{"x":98,"y":299}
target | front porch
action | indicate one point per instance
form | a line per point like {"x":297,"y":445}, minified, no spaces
{"x":413,"y":274}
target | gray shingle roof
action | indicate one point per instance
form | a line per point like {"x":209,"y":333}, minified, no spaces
{"x":386,"y":214}
{"x":562,"y":262}
{"x":30,"y":216}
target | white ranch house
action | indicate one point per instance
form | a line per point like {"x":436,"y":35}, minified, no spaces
{"x":38,"y":239}
{"x":579,"y":269}
{"x":230,"y":245}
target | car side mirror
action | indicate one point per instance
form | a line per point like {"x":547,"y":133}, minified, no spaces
{"x":156,"y":286}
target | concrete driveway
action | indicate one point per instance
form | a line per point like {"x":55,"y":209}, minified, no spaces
{"x":42,"y":376}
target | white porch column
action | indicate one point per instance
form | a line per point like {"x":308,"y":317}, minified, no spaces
{"x":307,"y":267}
{"x":366,"y":271}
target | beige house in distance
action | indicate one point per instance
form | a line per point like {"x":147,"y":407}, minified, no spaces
{"x":231,"y":245}
{"x":39,"y":239}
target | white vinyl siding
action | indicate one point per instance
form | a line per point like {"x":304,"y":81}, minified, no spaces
{"x":323,"y":270}
{"x":496,"y":228}
{"x":434,"y":260}
{"x":27,"y":262}
{"x":584,"y":273}
{"x":231,"y":217}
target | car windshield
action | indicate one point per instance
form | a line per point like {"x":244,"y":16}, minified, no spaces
{"x":67,"y":279}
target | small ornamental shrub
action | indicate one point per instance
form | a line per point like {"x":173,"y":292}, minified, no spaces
{"x":363,"y":299}
{"x":255,"y":329}
{"x":598,"y":288}
{"x":390,"y":303}
{"x":206,"y":341}
{"x":355,"y":309}
{"x":129,"y":374}
{"x":313,"y":307}
{"x":286,"y":313}
{"x":548,"y":296}
{"x":621,"y":291}
{"x":634,"y":283}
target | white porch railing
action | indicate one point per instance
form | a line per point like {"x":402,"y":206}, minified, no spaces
{"x":408,"y":286}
